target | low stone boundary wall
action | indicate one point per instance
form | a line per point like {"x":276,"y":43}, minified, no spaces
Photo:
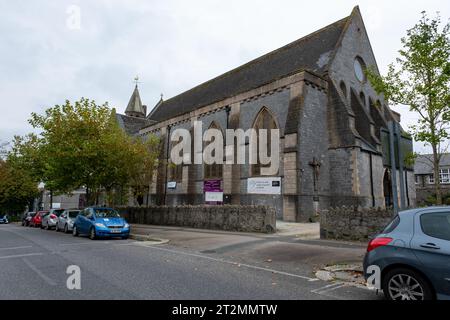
{"x":353,"y":223}
{"x":228,"y":217}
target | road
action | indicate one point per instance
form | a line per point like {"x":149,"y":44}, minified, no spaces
{"x":33,"y":265}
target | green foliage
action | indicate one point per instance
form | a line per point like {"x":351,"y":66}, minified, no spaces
{"x":432,"y":200}
{"x":17,"y":188}
{"x":82,"y":145}
{"x":410,"y":159}
{"x":420,"y":79}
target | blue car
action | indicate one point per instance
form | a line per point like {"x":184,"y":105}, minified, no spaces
{"x":413,"y":255}
{"x":100,"y":223}
{"x":3,"y":219}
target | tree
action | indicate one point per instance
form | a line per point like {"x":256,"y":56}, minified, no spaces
{"x":26,"y":154}
{"x":17,"y":188}
{"x":420,"y":79}
{"x":147,"y":155}
{"x":82,"y":145}
{"x":3,"y":150}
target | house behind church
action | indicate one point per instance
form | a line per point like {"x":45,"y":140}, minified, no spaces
{"x":332,"y":124}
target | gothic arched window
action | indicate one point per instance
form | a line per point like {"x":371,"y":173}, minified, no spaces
{"x":215,"y":170}
{"x":264,"y":120}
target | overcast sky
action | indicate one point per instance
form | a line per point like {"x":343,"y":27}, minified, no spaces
{"x":171,"y":45}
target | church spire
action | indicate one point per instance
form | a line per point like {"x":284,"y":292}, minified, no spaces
{"x":135,"y":108}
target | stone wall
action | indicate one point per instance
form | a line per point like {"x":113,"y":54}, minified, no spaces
{"x":228,"y":217}
{"x":353,"y":223}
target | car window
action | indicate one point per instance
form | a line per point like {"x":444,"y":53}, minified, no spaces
{"x":58,"y":212}
{"x":436,"y":225}
{"x":106,"y":213}
{"x":73,"y":214}
{"x":392,"y":225}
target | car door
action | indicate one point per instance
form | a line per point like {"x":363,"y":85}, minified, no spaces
{"x":80,"y":221}
{"x":62,"y":220}
{"x":431,"y":244}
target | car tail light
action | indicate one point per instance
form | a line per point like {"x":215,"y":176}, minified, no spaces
{"x":378,"y":242}
{"x":52,"y":216}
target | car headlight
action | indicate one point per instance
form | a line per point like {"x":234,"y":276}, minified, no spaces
{"x":100,"y":225}
{"x":126,"y":226}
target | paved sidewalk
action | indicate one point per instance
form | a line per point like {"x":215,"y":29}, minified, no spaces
{"x":295,"y":247}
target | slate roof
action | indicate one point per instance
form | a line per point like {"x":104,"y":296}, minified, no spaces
{"x":424,"y":165}
{"x":311,"y":52}
{"x":132,"y":125}
{"x":135,"y":103}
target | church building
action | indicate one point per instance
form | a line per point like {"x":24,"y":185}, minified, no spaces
{"x":332,"y":129}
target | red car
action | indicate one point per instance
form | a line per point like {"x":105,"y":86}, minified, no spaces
{"x":36,"y":221}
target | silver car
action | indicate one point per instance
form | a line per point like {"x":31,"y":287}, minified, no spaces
{"x":66,"y":220}
{"x":50,"y":220}
{"x":413,"y":255}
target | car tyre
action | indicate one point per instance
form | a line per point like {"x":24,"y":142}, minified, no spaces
{"x":75,"y":231}
{"x":92,"y":235}
{"x":406,"y":284}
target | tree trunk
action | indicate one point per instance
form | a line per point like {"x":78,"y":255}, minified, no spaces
{"x":437,"y":180}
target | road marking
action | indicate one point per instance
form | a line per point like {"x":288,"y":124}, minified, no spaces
{"x":39,"y":273}
{"x":232,"y":263}
{"x":14,"y":248}
{"x":82,"y":243}
{"x":22,"y":255}
{"x":329,"y":288}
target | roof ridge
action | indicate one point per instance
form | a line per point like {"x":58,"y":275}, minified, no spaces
{"x":260,"y":58}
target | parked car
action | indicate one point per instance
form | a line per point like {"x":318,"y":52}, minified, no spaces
{"x":50,"y":220}
{"x":4,"y":219}
{"x":26,"y":218}
{"x":100,"y":223}
{"x":36,"y":221}
{"x":413,"y":254}
{"x":66,"y":220}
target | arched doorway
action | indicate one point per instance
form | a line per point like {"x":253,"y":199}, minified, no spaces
{"x":387,"y":187}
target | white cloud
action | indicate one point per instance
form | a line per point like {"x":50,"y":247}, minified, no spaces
{"x":173,"y":45}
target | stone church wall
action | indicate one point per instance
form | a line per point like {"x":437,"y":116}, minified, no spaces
{"x":229,"y":217}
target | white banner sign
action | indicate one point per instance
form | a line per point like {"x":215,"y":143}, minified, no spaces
{"x":172,"y":185}
{"x":214,"y":196}
{"x":263,"y":185}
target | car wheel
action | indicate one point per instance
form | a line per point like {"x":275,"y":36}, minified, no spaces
{"x":406,"y":284}
{"x":75,"y":231}
{"x":66,"y":229}
{"x":92,"y":234}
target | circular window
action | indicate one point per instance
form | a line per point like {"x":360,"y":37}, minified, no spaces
{"x":359,"y":66}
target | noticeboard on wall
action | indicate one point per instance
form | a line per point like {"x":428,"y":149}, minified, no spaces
{"x":264,"y":185}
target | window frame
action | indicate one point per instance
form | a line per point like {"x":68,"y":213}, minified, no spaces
{"x":255,"y":169}
{"x":433,"y":213}
{"x":361,"y":64}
